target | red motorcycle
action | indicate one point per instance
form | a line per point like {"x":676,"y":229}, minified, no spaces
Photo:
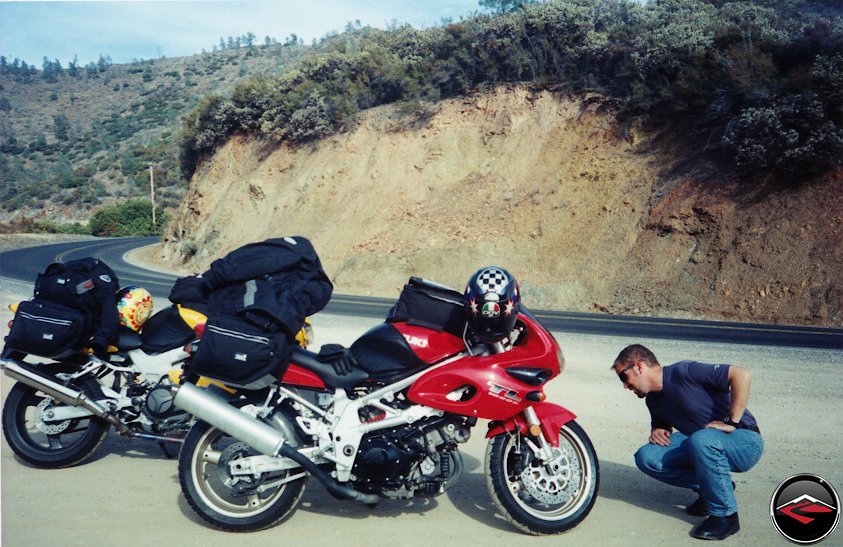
{"x":384,"y":420}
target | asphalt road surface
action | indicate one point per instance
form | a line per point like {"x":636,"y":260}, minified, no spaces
{"x":25,"y":264}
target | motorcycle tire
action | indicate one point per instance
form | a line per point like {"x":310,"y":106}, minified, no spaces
{"x":530,"y":497}
{"x":50,"y":445}
{"x":221,"y":500}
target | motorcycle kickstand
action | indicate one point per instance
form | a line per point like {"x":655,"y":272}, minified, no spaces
{"x":166,"y":451}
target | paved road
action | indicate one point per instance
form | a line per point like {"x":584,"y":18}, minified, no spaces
{"x":25,"y":264}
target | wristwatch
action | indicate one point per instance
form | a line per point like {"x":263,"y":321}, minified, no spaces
{"x":728,"y":421}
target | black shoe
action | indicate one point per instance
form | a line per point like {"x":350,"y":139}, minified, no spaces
{"x":717,"y":528}
{"x":699,"y":508}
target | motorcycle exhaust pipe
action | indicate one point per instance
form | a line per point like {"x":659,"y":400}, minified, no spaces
{"x":260,"y":436}
{"x":31,"y":376}
{"x":217,"y":412}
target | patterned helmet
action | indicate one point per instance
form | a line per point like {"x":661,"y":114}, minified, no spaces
{"x":134,"y":306}
{"x":492,"y":301}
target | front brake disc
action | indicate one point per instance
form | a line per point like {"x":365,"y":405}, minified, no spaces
{"x":557,"y":485}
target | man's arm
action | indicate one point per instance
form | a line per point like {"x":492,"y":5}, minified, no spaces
{"x":739,"y":382}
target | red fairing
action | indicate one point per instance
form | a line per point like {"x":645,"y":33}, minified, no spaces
{"x":430,"y":345}
{"x":551,"y":416}
{"x":480,"y":386}
{"x":298,"y":376}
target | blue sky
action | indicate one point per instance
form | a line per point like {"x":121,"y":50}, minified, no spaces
{"x":133,"y":30}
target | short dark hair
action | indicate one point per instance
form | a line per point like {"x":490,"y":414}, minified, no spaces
{"x":634,"y":353}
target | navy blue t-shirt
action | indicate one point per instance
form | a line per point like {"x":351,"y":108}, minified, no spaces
{"x":693,"y":394}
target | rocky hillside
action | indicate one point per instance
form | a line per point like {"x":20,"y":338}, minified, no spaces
{"x":75,"y":140}
{"x":589,"y":216}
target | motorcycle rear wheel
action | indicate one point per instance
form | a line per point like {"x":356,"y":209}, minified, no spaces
{"x":212,"y":492}
{"x":531,"y":498}
{"x":49,"y":445}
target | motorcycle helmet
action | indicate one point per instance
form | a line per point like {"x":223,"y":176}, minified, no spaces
{"x":134,"y":306}
{"x":492,"y":303}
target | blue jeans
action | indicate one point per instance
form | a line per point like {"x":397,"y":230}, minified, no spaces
{"x":703,"y":462}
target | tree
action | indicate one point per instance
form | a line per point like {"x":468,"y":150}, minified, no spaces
{"x":103,"y":63}
{"x":61,"y":127}
{"x":73,"y":67}
{"x":504,"y":6}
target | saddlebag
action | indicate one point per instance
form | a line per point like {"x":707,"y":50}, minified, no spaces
{"x":239,"y":354}
{"x":430,"y":305}
{"x":48,"y":329}
{"x":88,"y":285}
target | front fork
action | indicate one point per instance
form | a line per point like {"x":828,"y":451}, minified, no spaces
{"x":534,"y":427}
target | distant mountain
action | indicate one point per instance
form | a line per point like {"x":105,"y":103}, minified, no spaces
{"x":76,"y":138}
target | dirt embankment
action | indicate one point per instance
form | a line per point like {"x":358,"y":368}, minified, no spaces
{"x":588,"y":216}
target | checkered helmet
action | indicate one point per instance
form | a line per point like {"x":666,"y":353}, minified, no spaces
{"x":492,"y":302}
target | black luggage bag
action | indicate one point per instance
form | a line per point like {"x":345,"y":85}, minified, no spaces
{"x":431,"y":305}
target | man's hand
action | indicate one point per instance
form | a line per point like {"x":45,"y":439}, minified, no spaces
{"x":720,"y":426}
{"x":660,"y":437}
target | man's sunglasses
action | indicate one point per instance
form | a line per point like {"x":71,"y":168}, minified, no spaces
{"x":622,"y":374}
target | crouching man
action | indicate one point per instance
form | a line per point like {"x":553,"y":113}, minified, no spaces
{"x":701,"y":431}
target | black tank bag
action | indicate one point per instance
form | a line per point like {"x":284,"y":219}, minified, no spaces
{"x":430,"y":305}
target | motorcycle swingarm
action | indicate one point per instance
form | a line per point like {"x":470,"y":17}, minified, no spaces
{"x":67,"y":412}
{"x":551,"y":416}
{"x":258,"y":464}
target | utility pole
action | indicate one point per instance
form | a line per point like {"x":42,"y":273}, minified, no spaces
{"x":152,"y":192}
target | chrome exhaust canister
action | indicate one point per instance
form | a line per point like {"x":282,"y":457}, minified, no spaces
{"x":31,"y":376}
{"x":220,"y":414}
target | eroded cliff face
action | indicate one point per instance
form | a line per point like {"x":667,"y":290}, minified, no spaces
{"x":547,"y":187}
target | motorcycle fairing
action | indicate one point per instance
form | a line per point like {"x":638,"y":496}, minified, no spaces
{"x":477,"y":385}
{"x":298,"y":376}
{"x":551,"y":416}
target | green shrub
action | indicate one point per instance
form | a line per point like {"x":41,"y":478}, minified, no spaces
{"x":715,"y":70}
{"x":792,"y":134}
{"x":133,"y":218}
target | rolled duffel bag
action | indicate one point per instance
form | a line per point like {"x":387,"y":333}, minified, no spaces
{"x":239,"y":354}
{"x":48,"y":329}
{"x":431,"y":305}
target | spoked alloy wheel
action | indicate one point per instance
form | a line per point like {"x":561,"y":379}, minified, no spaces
{"x":534,"y":498}
{"x":240,"y":503}
{"x":47,"y":443}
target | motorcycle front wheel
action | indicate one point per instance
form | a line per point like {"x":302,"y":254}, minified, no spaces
{"x":45,"y":443}
{"x":233,"y":503}
{"x":534,"y":498}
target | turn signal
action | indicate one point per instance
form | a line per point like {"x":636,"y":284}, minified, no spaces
{"x":536,"y":396}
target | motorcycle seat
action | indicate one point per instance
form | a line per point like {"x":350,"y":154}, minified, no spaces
{"x":310,"y":361}
{"x":127,"y":339}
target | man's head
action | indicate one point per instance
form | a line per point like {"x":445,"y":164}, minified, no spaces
{"x":638,"y":370}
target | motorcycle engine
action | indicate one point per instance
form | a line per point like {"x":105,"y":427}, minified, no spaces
{"x":416,"y":460}
{"x":159,"y":403}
